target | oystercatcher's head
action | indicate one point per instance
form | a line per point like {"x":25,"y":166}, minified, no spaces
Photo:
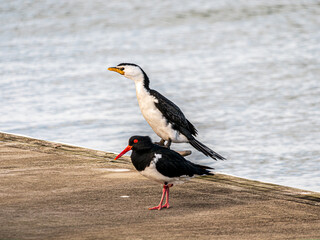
{"x":129,"y":70}
{"x":137,"y":143}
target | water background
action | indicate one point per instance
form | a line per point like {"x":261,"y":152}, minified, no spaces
{"x":245,"y":73}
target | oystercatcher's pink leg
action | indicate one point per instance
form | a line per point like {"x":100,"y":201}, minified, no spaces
{"x":164,"y":191}
{"x":166,"y":205}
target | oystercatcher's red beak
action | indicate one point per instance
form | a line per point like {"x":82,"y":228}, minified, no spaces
{"x":127,"y":149}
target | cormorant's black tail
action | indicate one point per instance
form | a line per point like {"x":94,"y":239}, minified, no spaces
{"x":205,"y":150}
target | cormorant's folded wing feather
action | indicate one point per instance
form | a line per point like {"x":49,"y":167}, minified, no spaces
{"x":173,"y":114}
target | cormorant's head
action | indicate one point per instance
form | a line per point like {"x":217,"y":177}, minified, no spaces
{"x":137,"y":143}
{"x":131,"y":71}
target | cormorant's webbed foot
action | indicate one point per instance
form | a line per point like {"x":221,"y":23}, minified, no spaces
{"x":161,"y":143}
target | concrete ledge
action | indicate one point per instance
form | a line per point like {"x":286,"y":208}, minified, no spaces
{"x":56,"y":191}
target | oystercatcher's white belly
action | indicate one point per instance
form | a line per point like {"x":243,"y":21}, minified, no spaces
{"x":155,"y":118}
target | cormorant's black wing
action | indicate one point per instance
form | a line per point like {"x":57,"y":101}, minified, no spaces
{"x":173,"y":114}
{"x":172,"y":164}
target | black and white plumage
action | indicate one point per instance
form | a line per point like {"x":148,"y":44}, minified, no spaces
{"x":165,"y":118}
{"x":161,"y":165}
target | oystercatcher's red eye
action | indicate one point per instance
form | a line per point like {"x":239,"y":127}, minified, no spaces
{"x":135,"y":141}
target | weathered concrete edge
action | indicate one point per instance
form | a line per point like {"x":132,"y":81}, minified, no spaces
{"x":22,"y":142}
{"x":28,"y":143}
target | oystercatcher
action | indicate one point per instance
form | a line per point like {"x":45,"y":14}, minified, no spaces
{"x":161,"y":165}
{"x":165,"y":118}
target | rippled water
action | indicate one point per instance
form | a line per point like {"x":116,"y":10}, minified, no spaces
{"x":246,"y":73}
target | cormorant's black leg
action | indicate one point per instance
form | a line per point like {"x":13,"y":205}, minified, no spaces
{"x":168,"y":143}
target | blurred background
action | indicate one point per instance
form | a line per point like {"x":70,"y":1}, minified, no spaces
{"x":245,"y":73}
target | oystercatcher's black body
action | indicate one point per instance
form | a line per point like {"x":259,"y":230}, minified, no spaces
{"x":161,"y":165}
{"x":165,"y":118}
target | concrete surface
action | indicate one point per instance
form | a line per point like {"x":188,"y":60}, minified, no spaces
{"x":55,"y":191}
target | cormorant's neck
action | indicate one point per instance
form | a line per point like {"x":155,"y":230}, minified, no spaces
{"x":146,"y":81}
{"x":142,"y":85}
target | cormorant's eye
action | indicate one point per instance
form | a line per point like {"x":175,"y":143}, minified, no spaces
{"x":135,"y":141}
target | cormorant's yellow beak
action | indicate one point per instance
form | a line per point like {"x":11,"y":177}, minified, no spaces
{"x":115,"y":69}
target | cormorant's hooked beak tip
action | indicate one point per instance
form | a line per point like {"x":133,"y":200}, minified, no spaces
{"x":127,"y":149}
{"x":115,"y":69}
